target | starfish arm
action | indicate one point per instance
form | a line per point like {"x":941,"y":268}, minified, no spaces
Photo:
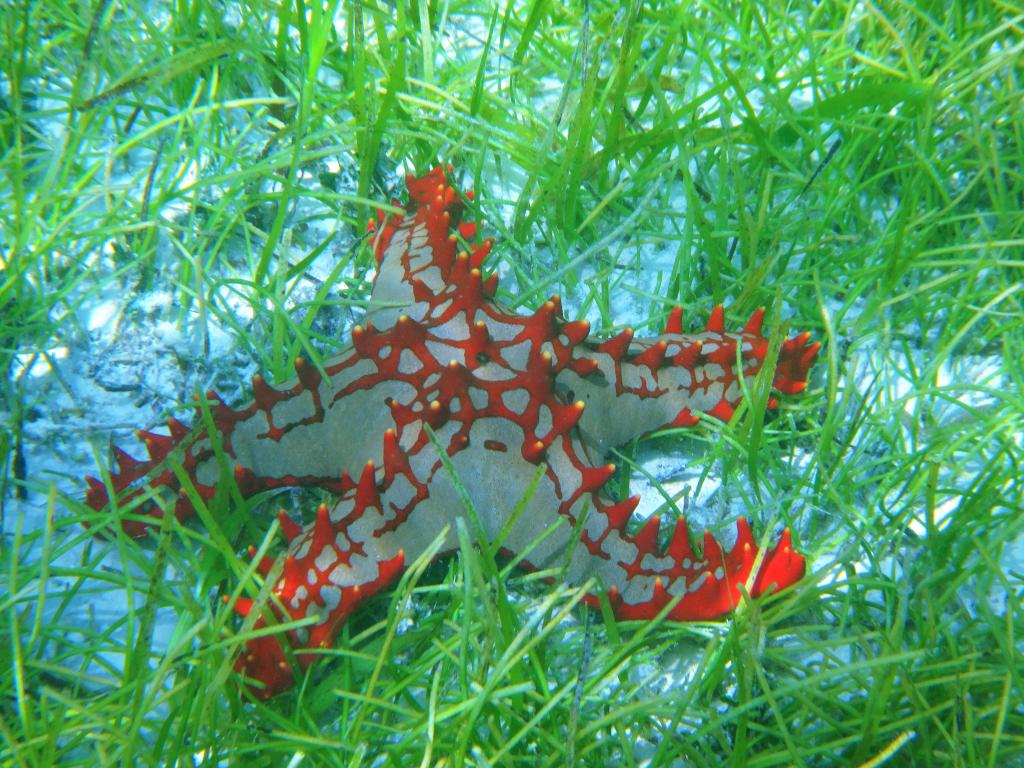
{"x":311,"y":431}
{"x":639,"y":386}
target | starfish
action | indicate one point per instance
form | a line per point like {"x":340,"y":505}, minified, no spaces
{"x":443,"y":380}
